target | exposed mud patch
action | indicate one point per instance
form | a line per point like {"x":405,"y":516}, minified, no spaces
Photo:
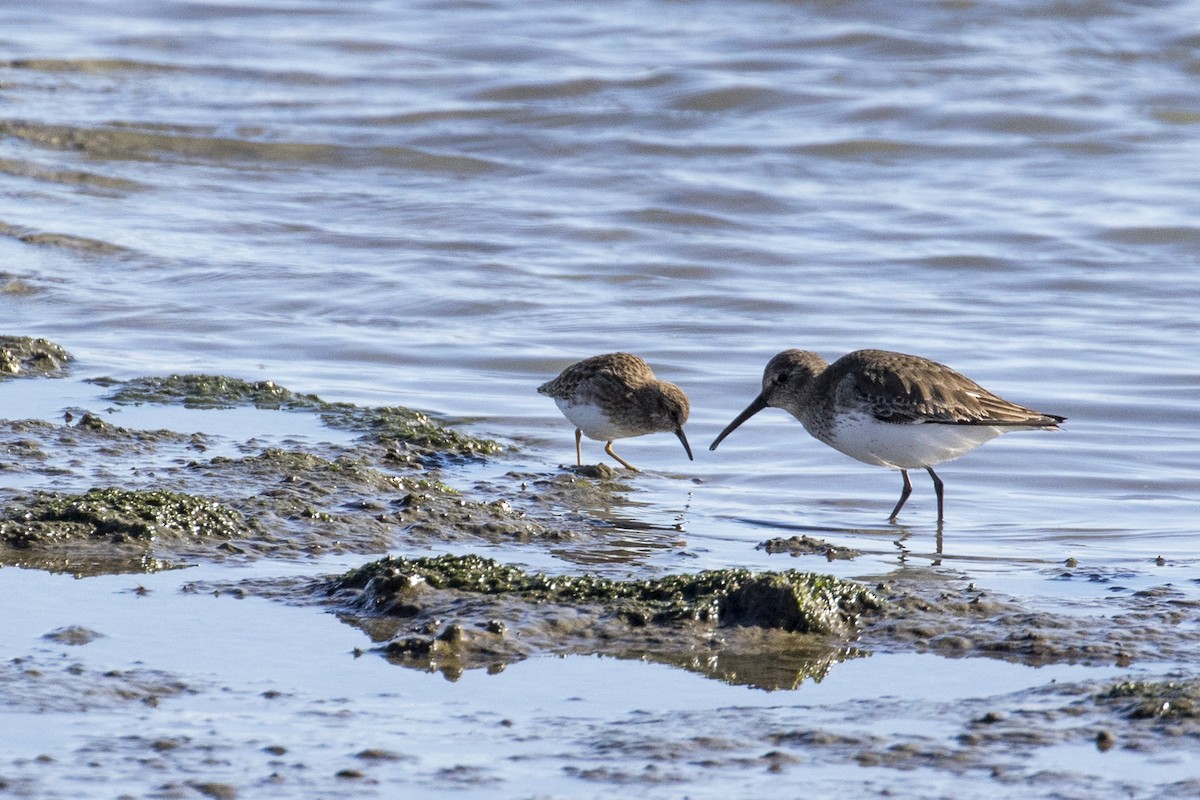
{"x":808,"y":545}
{"x":367,"y":495}
{"x":307,"y":504}
{"x":117,"y":516}
{"x":26,"y":357}
{"x":413,"y":432}
{"x":311,"y":498}
{"x":89,"y":446}
{"x":44,"y":685}
{"x":1176,"y":702}
{"x":452,"y":613}
{"x":281,"y":503}
{"x":111,"y":530}
{"x":931,"y":612}
{"x":1036,"y":744}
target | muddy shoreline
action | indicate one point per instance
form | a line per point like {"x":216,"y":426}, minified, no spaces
{"x":122,"y":500}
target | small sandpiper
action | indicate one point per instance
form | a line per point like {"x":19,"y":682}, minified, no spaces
{"x":889,"y":409}
{"x":614,"y":396}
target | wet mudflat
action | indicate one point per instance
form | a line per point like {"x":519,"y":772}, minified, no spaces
{"x":369,"y":598}
{"x":357,"y":209}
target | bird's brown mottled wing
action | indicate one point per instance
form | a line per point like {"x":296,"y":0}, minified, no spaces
{"x":910,"y":389}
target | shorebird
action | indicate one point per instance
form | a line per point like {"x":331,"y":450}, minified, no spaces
{"x":889,"y":409}
{"x":614,"y":396}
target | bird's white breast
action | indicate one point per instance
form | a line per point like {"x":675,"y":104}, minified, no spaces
{"x":590,"y":419}
{"x":901,"y":445}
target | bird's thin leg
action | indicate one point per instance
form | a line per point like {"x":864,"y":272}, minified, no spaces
{"x":578,"y":448}
{"x":937,"y":487}
{"x":608,"y":449}
{"x":904,"y":493}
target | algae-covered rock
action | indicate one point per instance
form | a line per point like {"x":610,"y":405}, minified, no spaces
{"x":388,"y":424}
{"x":117,"y":515}
{"x":792,"y":601}
{"x":24,"y":356}
{"x":451,"y":613}
{"x":396,"y":424}
{"x":209,"y":391}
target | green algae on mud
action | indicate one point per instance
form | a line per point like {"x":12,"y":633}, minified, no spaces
{"x":309,"y":504}
{"x":110,"y":530}
{"x":116,"y":515}
{"x":292,"y":503}
{"x":27,"y":357}
{"x":386,"y":424}
{"x":798,"y":602}
{"x":207,"y":391}
{"x":279,"y":503}
{"x":451,"y":613}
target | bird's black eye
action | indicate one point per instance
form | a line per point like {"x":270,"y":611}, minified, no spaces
{"x":780,"y":379}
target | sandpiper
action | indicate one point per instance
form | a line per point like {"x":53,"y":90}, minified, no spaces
{"x":614,"y":396}
{"x":889,"y":409}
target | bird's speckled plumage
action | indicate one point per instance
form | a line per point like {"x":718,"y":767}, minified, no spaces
{"x":889,"y":409}
{"x":614,"y":396}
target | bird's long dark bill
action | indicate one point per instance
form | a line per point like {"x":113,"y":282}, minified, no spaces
{"x":758,"y":405}
{"x":686,"y":446}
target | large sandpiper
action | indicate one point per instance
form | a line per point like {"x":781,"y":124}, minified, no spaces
{"x":889,"y":409}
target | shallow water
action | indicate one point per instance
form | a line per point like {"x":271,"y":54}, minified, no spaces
{"x":441,"y":204}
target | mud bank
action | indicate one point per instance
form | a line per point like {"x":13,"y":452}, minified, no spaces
{"x":381,"y":488}
{"x":930,"y":612}
{"x":413,"y":432}
{"x":22,"y":356}
{"x":453,"y":613}
{"x":152,"y":499}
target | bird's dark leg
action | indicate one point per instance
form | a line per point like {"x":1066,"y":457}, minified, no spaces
{"x":904,"y":493}
{"x":937,"y":487}
{"x":578,"y":449}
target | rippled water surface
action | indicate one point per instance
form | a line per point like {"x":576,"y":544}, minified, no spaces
{"x":441,"y":204}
